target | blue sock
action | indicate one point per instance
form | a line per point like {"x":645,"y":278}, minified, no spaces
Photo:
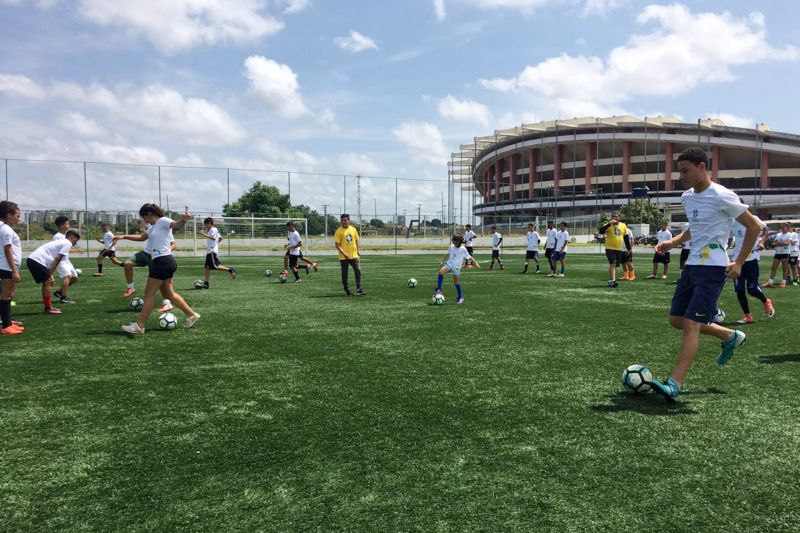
{"x":439,"y":282}
{"x":458,"y":290}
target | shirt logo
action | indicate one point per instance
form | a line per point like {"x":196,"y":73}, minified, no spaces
{"x":694,"y":213}
{"x":348,"y":238}
{"x":616,"y":232}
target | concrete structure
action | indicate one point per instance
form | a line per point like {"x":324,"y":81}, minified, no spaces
{"x":583,"y":166}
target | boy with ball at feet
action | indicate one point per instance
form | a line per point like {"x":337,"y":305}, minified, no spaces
{"x":452,"y":262}
{"x":711,"y":210}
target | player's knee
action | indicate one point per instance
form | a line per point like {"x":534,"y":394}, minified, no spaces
{"x":676,"y":321}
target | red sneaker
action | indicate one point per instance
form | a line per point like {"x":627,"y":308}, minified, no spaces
{"x":746,"y":319}
{"x":769,"y":309}
{"x":52,"y":311}
{"x":11,"y":330}
{"x":98,"y":274}
{"x":128,"y":292}
{"x":315,"y":266}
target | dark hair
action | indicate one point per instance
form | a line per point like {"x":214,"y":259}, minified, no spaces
{"x":494,"y":227}
{"x":7,"y":208}
{"x":105,"y":225}
{"x":150,"y":209}
{"x":208,"y":220}
{"x":458,"y":240}
{"x":694,"y":155}
{"x":615,"y":213}
{"x":530,"y":223}
{"x":344,"y":216}
{"x":61,"y":219}
{"x":290,"y":224}
{"x":468,"y":225}
{"x":73,"y":233}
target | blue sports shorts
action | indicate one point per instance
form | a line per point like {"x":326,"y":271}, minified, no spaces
{"x":697,"y":293}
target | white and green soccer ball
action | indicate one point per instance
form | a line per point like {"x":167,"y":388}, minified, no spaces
{"x":167,"y":321}
{"x":283,"y":277}
{"x":79,"y":272}
{"x":268,"y":273}
{"x":137,"y":304}
{"x":198,"y":284}
{"x":637,"y":378}
{"x":411,"y":283}
{"x":719,"y":317}
{"x":438,"y":299}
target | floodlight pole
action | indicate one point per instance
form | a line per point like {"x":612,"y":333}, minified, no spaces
{"x":159,"y":185}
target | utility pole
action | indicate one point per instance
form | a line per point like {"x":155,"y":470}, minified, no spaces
{"x":325,"y":214}
{"x":358,"y":201}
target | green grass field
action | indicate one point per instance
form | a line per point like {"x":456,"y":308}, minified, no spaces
{"x":292,"y":407}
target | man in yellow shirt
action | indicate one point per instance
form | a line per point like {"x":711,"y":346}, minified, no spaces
{"x":346,"y":239}
{"x":616,"y":241}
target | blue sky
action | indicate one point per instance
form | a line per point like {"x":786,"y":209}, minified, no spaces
{"x":357,"y":87}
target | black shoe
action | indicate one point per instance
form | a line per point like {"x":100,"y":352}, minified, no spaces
{"x":361,"y":292}
{"x":58,"y":294}
{"x":205,"y":285}
{"x":347,"y":292}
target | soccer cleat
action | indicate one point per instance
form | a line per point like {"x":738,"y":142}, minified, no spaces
{"x":460,"y":301}
{"x":664,"y":276}
{"x":298,"y":280}
{"x":729,"y":346}
{"x":17,"y":323}
{"x":502,"y":268}
{"x":615,"y":284}
{"x":133,"y":328}
{"x":52,"y":311}
{"x":651,"y":276}
{"x":624,"y":275}
{"x":437,"y":291}
{"x":192,"y":320}
{"x":65,"y":300}
{"x":768,"y":284}
{"x":782,"y":285}
{"x":551,"y":275}
{"x":746,"y":319}
{"x":632,"y":277}
{"x":98,"y":274}
{"x":560,"y":275}
{"x":11,"y":330}
{"x":128,"y":292}
{"x":769,"y":309}
{"x":58,"y":294}
{"x":669,"y":389}
{"x":610,"y":283}
{"x":361,"y":292}
{"x":347,"y":292}
{"x":315,"y":266}
{"x":233,"y":273}
{"x":166,"y":307}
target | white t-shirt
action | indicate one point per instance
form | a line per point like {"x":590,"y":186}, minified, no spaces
{"x":159,"y":236}
{"x":793,"y":248}
{"x":737,"y":232}
{"x":294,"y":239}
{"x":562,"y":238}
{"x":496,"y":240}
{"x":468,"y":236}
{"x":212,"y":241}
{"x":711,"y":214}
{"x":533,"y":240}
{"x":47,"y":253}
{"x":65,"y":263}
{"x":9,"y":236}
{"x":550,"y":241}
{"x":58,"y":236}
{"x":108,"y":241}
{"x":782,"y":243}
{"x":456,"y":256}
{"x":688,"y":244}
{"x":663,"y":235}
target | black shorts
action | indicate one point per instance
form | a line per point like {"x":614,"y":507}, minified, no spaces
{"x":39,"y":272}
{"x":495,"y":254}
{"x":548,"y":252}
{"x":627,"y":256}
{"x":531,"y":254}
{"x":163,"y":268}
{"x":5,"y":274}
{"x":684,"y":256}
{"x":212,"y":261}
{"x":614,"y":257}
{"x":470,"y":250}
{"x":781,"y":257}
{"x":748,"y":278}
{"x":293,"y":259}
{"x":142,"y":259}
{"x":659,"y":258}
{"x":792,"y":259}
{"x":287,"y":254}
{"x":108,"y":253}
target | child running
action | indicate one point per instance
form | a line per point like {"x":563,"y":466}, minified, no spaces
{"x":532,"y":251}
{"x":45,"y":260}
{"x":452,"y":262}
{"x":213,"y":238}
{"x":497,"y":243}
{"x":10,"y":260}
{"x":294,"y":253}
{"x":747,"y":283}
{"x":109,"y":250}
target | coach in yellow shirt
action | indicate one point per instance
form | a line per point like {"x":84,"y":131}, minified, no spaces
{"x":616,"y":240}
{"x":346,"y":239}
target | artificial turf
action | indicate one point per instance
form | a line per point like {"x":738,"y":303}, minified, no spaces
{"x":293,"y":407}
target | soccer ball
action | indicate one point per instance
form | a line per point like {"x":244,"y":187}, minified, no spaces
{"x":411,"y":283}
{"x":79,"y":271}
{"x":167,"y":321}
{"x":268,"y":273}
{"x":438,"y":299}
{"x":282,"y":277}
{"x":198,"y":284}
{"x":719,"y":317}
{"x":137,"y":304}
{"x":636,"y":378}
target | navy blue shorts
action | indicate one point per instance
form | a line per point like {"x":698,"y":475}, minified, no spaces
{"x":470,"y":250}
{"x":749,"y":276}
{"x":495,"y":254}
{"x":697,"y":293}
{"x":559,"y":256}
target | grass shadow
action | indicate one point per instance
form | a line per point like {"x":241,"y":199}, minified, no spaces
{"x":779,"y":359}
{"x":327,"y":296}
{"x":646,"y":404}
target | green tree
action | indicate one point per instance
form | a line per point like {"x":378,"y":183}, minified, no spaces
{"x":436,"y":223}
{"x":377,"y":223}
{"x":642,"y":211}
{"x":261,"y":200}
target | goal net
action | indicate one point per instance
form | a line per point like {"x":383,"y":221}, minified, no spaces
{"x":247,"y":235}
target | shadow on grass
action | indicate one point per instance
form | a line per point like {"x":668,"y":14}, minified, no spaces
{"x":647,"y":404}
{"x":779,"y":359}
{"x":337,"y":295}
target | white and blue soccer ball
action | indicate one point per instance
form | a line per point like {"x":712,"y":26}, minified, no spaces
{"x":438,"y":299}
{"x":637,"y":378}
{"x":411,"y":283}
{"x":137,"y":304}
{"x":198,"y":284}
{"x":167,"y":321}
{"x":719,"y":317}
{"x":268,"y":273}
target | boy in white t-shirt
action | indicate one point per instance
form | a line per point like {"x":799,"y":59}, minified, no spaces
{"x":550,"y":248}
{"x":10,"y":260}
{"x":213,"y":238}
{"x":783,"y":244}
{"x":294,"y":252}
{"x":469,"y":237}
{"x":794,"y":251}
{"x":44,"y":261}
{"x":109,"y":250}
{"x":747,"y":282}
{"x":662,"y":235}
{"x":560,"y":253}
{"x":497,"y":243}
{"x":532,"y":250}
{"x":711,"y":210}
{"x":67,"y":272}
{"x":457,"y":254}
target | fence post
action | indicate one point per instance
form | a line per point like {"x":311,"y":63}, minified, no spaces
{"x":86,"y":207}
{"x":228,"y":183}
{"x":252,"y":226}
{"x":394,"y":226}
{"x":6,"y":174}
{"x":289,"y":180}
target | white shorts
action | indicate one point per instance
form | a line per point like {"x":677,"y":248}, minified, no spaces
{"x":66,"y":270}
{"x":456,"y":271}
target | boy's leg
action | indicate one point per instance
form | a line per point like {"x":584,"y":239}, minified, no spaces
{"x":344,"y":264}
{"x":457,"y":283}
{"x":207,"y":274}
{"x":357,"y":272}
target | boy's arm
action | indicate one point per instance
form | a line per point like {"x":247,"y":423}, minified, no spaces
{"x":179,"y":224}
{"x":664,"y":247}
{"x":55,"y":264}
{"x":139,"y":238}
{"x":7,"y":249}
{"x":752,"y":228}
{"x":205,"y":235}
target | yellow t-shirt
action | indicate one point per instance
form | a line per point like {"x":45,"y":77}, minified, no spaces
{"x":615,"y":236}
{"x":347,"y":239}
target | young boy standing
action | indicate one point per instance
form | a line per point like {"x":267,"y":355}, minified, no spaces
{"x":550,"y":248}
{"x":45,"y":260}
{"x":711,"y":210}
{"x":10,"y":260}
{"x":109,"y":250}
{"x":67,"y":272}
{"x":213,"y":238}
{"x":346,"y":240}
{"x":532,"y":251}
{"x":497,"y":242}
{"x":562,"y":238}
{"x":747,"y":282}
{"x":662,"y":235}
{"x":469,"y":236}
{"x":457,"y":254}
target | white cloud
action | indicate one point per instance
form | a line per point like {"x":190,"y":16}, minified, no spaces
{"x":424,"y":141}
{"x":326,"y":118}
{"x":358,"y":164}
{"x":355,"y":42}
{"x":438,"y":8}
{"x":277,"y":156}
{"x":189,"y":160}
{"x":178,"y":25}
{"x":465,"y":110}
{"x":81,"y":125}
{"x":295,"y":6}
{"x":653,"y":64}
{"x":736,"y":121}
{"x":601,"y":7}
{"x":19,"y":86}
{"x":276,"y":86}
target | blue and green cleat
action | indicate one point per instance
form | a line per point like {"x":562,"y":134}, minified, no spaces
{"x":729,"y":346}
{"x":669,"y":389}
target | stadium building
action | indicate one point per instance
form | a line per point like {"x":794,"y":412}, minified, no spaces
{"x":573,"y":168}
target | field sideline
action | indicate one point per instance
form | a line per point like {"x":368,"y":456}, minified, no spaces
{"x":292,"y":407}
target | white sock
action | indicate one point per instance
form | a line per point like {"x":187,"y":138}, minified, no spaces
{"x":130,"y":285}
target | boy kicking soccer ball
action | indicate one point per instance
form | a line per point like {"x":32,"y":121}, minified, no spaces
{"x":452,"y":262}
{"x":109,"y":250}
{"x":213,"y":238}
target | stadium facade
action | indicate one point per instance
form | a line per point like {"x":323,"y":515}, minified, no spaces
{"x":573,"y":168}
